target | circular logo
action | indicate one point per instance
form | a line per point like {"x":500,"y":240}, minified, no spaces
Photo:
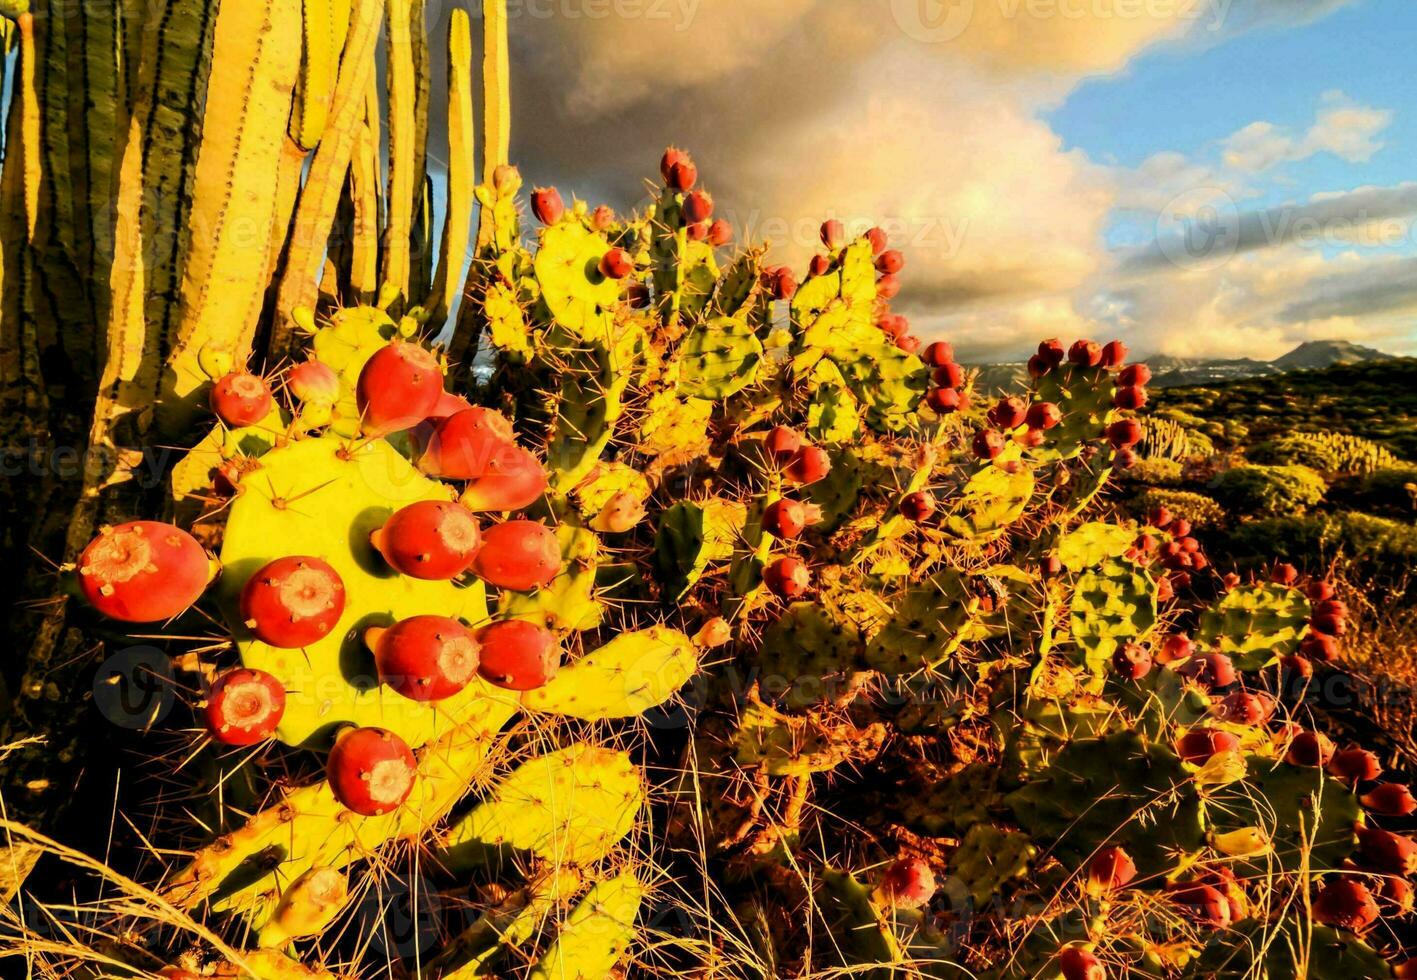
{"x":1199,"y":229}
{"x":933,"y":21}
{"x":135,"y":688}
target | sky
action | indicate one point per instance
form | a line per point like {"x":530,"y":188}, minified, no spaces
{"x":1196,"y":177}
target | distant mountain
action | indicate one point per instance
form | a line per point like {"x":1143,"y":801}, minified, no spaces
{"x":1176,"y":372}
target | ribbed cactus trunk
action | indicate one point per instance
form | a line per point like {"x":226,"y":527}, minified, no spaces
{"x":172,"y":182}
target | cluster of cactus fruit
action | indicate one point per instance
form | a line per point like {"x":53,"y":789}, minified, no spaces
{"x":972,"y":724}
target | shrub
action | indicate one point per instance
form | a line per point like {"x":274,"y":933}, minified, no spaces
{"x":1379,"y":546}
{"x":1391,"y":492}
{"x":1258,"y":490}
{"x":1156,"y":472}
{"x":1331,"y":452}
{"x":1200,"y":510}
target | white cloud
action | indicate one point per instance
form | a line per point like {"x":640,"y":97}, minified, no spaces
{"x":1343,"y":128}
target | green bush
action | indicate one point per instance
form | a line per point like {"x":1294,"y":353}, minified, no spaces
{"x":1155,"y":472}
{"x":1200,"y":510}
{"x":1389,"y":492}
{"x":1381,"y":547}
{"x":1331,"y":452}
{"x":1265,"y":490}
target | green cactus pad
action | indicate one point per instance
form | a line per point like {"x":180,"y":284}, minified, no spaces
{"x":989,"y":858}
{"x":1293,"y":949}
{"x":605,"y":482}
{"x":838,"y":493}
{"x":568,"y":270}
{"x":674,"y":426}
{"x":571,"y":806}
{"x":596,"y":933}
{"x":1308,"y":816}
{"x":928,"y":625}
{"x":323,"y":497}
{"x":807,"y":656}
{"x":739,"y":285}
{"x":628,"y":676}
{"x":593,"y":380}
{"x":992,"y":500}
{"x":693,"y":535}
{"x":1255,"y":623}
{"x":868,"y":940}
{"x":1112,"y":604}
{"x":885,"y":380}
{"x":951,"y":804}
{"x":1119,"y":789}
{"x":569,"y":602}
{"x":719,"y":358}
{"x":1085,"y":397}
{"x":785,"y":745}
{"x":1089,"y":545}
{"x":833,"y":414}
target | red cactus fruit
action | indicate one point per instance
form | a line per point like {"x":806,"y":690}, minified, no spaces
{"x":518,"y":555}
{"x":1199,"y":745}
{"x":788,"y":518}
{"x":1032,"y":438}
{"x":1114,"y":354}
{"x":143,"y":571}
{"x":938,"y":354}
{"x":949,"y":376}
{"x":1300,"y":666}
{"x":1050,"y":566}
{"x":1008,"y":413}
{"x":398,"y":388}
{"x":890,"y":262}
{"x":430,"y":539}
{"x":1395,"y":895}
{"x":683,"y":176}
{"x":1328,"y":624}
{"x":698,"y":206}
{"x":893,"y":325}
{"x":888,"y":286}
{"x":1245,"y":708}
{"x":241,"y":398}
{"x":1390,"y":800}
{"x":782,"y":443}
{"x":1312,"y":749}
{"x":602,"y":218}
{"x":833,"y":234}
{"x":1110,"y":868}
{"x":1285,"y":574}
{"x":463,"y":444}
{"x":1321,"y":591}
{"x":908,"y":883}
{"x":1230,"y":581}
{"x":1160,"y":517}
{"x":720,"y":233}
{"x":1384,"y":851}
{"x":1124,"y":433}
{"x":784,"y":284}
{"x":547,"y":205}
{"x":1203,"y":904}
{"x":1043,"y":416}
{"x":698,"y":231}
{"x":918,"y":506}
{"x":944,"y":400}
{"x":370,"y":770}
{"x":787,"y":578}
{"x":313,"y":381}
{"x":1320,"y":647}
{"x":513,"y":480}
{"x":424,"y":658}
{"x":293,"y":601}
{"x":1355,"y":765}
{"x":808,"y":465}
{"x":244,"y":707}
{"x":1131,"y":661}
{"x":1129,"y":399}
{"x":518,"y":655}
{"x":908,"y":343}
{"x":1038,"y":367}
{"x":177,"y":973}
{"x":616,"y":264}
{"x":1125,"y":459}
{"x":1346,"y":904}
{"x":672,"y":156}
{"x":1077,"y":963}
{"x":1180,"y":528}
{"x":1052,"y":351}
{"x":988,"y":444}
{"x":1134,"y":376}
{"x":1210,"y":670}
{"x":878,"y":239}
{"x":1085,"y":353}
